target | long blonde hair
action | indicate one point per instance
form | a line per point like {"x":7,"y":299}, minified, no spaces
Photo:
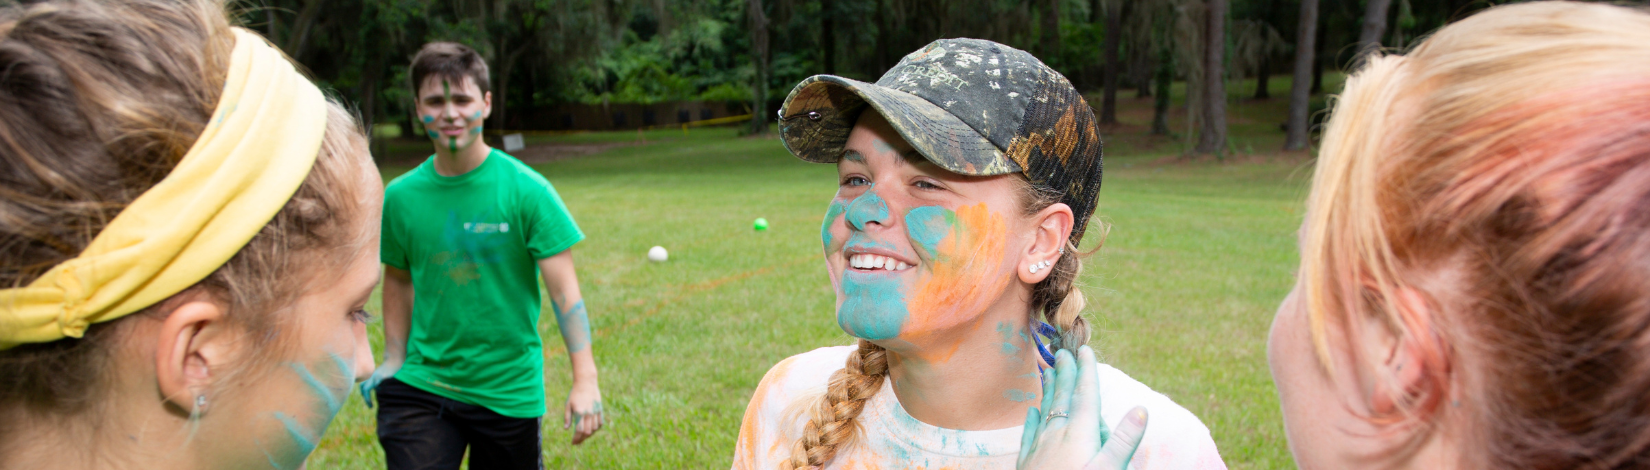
{"x":832,"y":417}
{"x":1510,"y":152}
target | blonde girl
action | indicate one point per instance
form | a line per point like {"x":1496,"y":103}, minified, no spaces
{"x":1474,"y":289}
{"x":967,"y":176}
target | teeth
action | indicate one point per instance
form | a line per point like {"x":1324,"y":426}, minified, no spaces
{"x":876,"y":262}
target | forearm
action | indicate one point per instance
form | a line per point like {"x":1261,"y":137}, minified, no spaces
{"x":397,"y":311}
{"x":572,"y":319}
{"x":574,"y":323}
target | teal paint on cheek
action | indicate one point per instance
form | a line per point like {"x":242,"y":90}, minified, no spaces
{"x":475,"y":116}
{"x":873,"y":306}
{"x":929,"y":225}
{"x":837,"y":206}
{"x":302,"y":437}
{"x":429,"y":119}
{"x":866,"y":209}
{"x":432,"y":134}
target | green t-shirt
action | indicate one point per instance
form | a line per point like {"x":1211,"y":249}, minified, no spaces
{"x":472,"y":243}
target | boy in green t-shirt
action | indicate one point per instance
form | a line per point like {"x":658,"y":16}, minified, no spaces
{"x":465,"y":236}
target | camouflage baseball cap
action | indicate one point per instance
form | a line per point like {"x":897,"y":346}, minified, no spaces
{"x":971,"y":106}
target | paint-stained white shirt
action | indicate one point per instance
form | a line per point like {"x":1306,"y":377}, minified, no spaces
{"x":892,"y":439}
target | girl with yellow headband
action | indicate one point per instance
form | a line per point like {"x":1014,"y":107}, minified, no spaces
{"x":188,"y":234}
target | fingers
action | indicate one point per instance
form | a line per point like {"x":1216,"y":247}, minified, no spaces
{"x":1048,"y":390}
{"x":1124,"y":441}
{"x":567,"y":416}
{"x":1029,"y":435}
{"x":1064,"y":383}
{"x":1086,"y":403}
{"x":367,"y":387}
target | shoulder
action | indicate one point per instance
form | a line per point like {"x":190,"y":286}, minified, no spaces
{"x":772,"y":417}
{"x":406,"y":181}
{"x":516,"y":169}
{"x":1175,"y":438}
{"x":798,"y":376}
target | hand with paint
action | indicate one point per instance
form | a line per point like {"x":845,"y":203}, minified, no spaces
{"x":1071,"y":433}
{"x":583,"y":412}
{"x":384,"y":371}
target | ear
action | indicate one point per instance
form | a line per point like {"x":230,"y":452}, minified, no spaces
{"x":195,"y":343}
{"x":1405,"y":373}
{"x":1049,"y":232}
{"x":487,"y":105}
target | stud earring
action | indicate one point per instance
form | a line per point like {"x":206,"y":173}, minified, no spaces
{"x":1039,"y":266}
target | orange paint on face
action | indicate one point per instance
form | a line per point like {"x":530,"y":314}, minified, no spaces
{"x":961,"y":278}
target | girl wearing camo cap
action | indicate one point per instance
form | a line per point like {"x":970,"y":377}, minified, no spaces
{"x":967,"y":176}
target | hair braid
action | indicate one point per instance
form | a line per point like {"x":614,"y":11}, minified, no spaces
{"x":831,"y":422}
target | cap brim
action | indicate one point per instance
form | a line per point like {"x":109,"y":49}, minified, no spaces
{"x":820,"y":112}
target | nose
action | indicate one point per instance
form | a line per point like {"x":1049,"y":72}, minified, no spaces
{"x":866,"y":210}
{"x":363,"y":352}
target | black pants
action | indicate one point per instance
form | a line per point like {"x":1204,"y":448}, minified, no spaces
{"x":424,"y":431}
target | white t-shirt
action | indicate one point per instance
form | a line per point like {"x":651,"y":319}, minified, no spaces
{"x":892,"y":439}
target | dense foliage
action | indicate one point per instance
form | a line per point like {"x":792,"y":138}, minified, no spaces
{"x":547,"y":52}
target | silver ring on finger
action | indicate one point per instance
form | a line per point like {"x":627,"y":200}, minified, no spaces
{"x":1056,"y":414}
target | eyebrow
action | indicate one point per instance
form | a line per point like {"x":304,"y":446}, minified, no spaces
{"x":853,"y":156}
{"x":912,"y":157}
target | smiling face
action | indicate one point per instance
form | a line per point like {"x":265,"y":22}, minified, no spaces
{"x":453,"y":111}
{"x":917,"y":253}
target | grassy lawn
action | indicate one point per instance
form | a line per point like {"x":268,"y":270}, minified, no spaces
{"x":1181,"y":294}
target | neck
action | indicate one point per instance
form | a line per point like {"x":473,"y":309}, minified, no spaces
{"x":451,"y":163}
{"x":126,"y":433}
{"x":976,"y":376}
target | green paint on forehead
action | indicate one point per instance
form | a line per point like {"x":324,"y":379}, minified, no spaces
{"x":446,"y":90}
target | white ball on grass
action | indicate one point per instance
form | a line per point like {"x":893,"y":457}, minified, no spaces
{"x":657,"y":254}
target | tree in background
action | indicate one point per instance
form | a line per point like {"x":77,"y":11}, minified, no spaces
{"x":1114,"y":36}
{"x":1369,"y":37}
{"x":1299,"y":91}
{"x":549,"y":52}
{"x":1212,"y":130}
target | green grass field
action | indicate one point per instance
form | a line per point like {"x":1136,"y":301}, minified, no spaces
{"x":1181,"y":295}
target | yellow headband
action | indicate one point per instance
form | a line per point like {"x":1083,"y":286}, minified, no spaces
{"x":248,"y":162}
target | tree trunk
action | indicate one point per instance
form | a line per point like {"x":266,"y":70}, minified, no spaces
{"x":827,"y":37}
{"x":1114,"y":38}
{"x":1051,"y":30}
{"x":506,"y":67}
{"x":759,"y":55}
{"x":1299,"y":92}
{"x":1318,"y":59}
{"x":1262,"y":77}
{"x":1164,"y":78}
{"x":1369,"y":40}
{"x":1212,"y":134}
{"x":299,"y":40}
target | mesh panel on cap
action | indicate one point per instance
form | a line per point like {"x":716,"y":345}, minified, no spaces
{"x":1059,"y":147}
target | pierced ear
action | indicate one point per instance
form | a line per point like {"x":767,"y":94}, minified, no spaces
{"x":1048,"y":241}
{"x":1405,"y":375}
{"x":193,"y":343}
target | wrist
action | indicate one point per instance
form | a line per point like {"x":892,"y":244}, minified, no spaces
{"x":583,"y":378}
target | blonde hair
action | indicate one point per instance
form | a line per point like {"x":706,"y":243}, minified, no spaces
{"x":832,"y":417}
{"x":1511,"y":153}
{"x":91,"y":121}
